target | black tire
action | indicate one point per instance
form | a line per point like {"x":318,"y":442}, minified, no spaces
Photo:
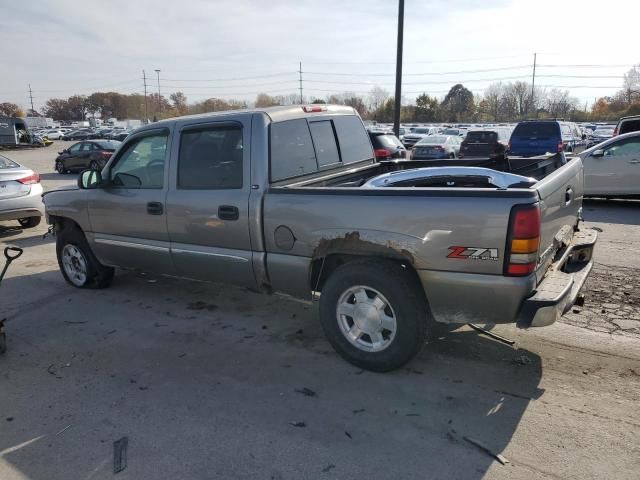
{"x":404,"y":295}
{"x":3,"y":343}
{"x":60,"y":168}
{"x":93,"y":165}
{"x":96,"y":275}
{"x":29,"y":222}
{"x":452,"y":155}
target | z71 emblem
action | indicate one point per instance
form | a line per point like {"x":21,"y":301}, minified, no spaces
{"x":473,"y":253}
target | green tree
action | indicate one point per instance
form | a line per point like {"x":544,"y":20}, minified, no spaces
{"x":427,"y":109}
{"x":458,"y":105}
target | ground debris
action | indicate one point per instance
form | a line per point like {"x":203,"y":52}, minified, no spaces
{"x":486,"y":449}
{"x":298,"y":424}
{"x":120,"y":454}
{"x":307,"y":392}
{"x":328,"y":467}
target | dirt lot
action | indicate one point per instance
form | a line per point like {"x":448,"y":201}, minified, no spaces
{"x":208,"y":381}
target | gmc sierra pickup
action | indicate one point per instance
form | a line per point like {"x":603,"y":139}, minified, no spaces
{"x":291,"y":200}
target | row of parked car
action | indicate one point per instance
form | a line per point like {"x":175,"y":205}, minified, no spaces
{"x":88,"y":133}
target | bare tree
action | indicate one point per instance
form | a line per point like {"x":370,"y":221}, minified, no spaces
{"x":377,"y":97}
{"x":631,"y":84}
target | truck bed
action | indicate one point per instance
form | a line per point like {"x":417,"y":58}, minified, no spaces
{"x":335,"y":212}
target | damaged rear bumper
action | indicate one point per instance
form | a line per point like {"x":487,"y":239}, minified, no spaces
{"x":557,"y":292}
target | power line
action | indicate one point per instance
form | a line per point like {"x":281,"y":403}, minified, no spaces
{"x":280,"y":82}
{"x":484,"y":70}
{"x":229,"y":78}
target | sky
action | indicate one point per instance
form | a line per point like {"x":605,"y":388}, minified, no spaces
{"x":236,"y":49}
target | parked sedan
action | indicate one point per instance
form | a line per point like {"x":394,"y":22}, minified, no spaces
{"x":386,"y":146}
{"x":600,"y":134}
{"x":417,"y":134}
{"x":20,"y":194}
{"x":436,"y":147}
{"x":77,"y":135}
{"x":92,"y":154}
{"x":484,"y":143}
{"x":612,"y":168}
{"x":54,"y":134}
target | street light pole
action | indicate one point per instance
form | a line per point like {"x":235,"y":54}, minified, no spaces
{"x":396,"y":113}
{"x":159,"y":104}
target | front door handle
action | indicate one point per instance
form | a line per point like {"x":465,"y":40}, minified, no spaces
{"x":228,"y":212}
{"x":155,"y":208}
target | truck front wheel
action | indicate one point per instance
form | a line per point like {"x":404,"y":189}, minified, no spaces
{"x":78,"y":264}
{"x":374,"y":314}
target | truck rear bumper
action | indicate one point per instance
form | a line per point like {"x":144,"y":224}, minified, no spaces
{"x":558,"y":291}
{"x":456,"y":297}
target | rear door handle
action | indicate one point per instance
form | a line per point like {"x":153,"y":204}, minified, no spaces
{"x":228,"y":212}
{"x":155,"y":208}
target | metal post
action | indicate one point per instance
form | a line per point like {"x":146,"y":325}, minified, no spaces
{"x":533,"y":86}
{"x":159,"y":104}
{"x":31,"y":98}
{"x":300,"y":76}
{"x":146,"y":106}
{"x":398,"y":105}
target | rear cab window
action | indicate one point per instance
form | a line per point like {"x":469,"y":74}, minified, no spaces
{"x":482,"y":137}
{"x":537,"y":130}
{"x":307,"y":145}
{"x":631,"y":125}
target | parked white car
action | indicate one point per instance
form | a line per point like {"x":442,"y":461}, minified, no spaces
{"x":612,"y":168}
{"x":54,"y":134}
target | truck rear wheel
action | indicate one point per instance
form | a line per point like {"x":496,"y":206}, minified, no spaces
{"x":374,"y":314}
{"x":78,"y":265}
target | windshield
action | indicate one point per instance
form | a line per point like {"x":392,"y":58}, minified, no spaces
{"x":603,"y":131}
{"x":420,"y":130}
{"x":451,"y":131}
{"x":537,"y":130}
{"x":482,"y":137}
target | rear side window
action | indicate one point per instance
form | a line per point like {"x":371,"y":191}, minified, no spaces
{"x":353,"y":139}
{"x":6,"y":163}
{"x":324,"y":140}
{"x":630,"y":126}
{"x":210,"y":158}
{"x":291,"y":150}
{"x":537,"y":130}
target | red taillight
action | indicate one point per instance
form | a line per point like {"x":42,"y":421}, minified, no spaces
{"x":381,"y":153}
{"x":560,"y":146}
{"x":509,"y":147}
{"x":314,"y":108}
{"x":615,"y":131}
{"x":522,"y":249}
{"x":29,"y":180}
{"x":105,"y":154}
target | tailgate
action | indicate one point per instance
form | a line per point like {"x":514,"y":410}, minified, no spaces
{"x":560,"y":208}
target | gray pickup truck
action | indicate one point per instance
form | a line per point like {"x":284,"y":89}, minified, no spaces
{"x":291,"y":200}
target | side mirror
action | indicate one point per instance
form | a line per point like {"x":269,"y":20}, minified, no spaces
{"x":598,"y":153}
{"x":89,"y":179}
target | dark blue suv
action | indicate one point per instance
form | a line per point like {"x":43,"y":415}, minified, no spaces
{"x":537,"y":137}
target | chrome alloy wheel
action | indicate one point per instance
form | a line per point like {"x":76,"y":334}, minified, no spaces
{"x":75,"y":264}
{"x":366,"y":318}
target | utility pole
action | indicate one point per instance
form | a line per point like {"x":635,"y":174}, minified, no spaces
{"x":31,"y":98}
{"x":300,"y":77}
{"x":533,"y":85}
{"x":398,"y":105}
{"x":159,"y":104}
{"x":146,"y":106}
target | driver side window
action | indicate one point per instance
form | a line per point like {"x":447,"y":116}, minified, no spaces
{"x":141,"y":164}
{"x":630,"y":146}
{"x":75,"y":148}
